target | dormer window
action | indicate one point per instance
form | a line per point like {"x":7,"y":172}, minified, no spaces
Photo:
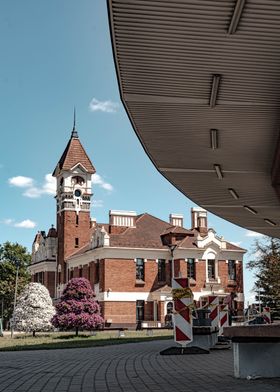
{"x":78,"y":180}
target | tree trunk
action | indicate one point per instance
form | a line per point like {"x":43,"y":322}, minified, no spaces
{"x":77,"y":329}
{"x":33,"y":334}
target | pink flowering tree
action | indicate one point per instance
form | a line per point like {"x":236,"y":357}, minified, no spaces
{"x":77,"y":309}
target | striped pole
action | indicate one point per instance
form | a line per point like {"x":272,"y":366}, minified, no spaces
{"x":213,"y":303}
{"x":182,"y":317}
{"x":224,"y":319}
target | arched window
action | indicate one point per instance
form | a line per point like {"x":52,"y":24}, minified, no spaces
{"x":169,"y":308}
{"x":78,"y":180}
{"x":211,"y":266}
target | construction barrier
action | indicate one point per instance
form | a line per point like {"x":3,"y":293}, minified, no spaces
{"x":182,"y":315}
{"x":213,"y":303}
{"x":223,"y":318}
{"x":266,"y":314}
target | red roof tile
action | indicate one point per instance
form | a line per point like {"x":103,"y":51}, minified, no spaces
{"x":146,"y":234}
{"x":74,"y":154}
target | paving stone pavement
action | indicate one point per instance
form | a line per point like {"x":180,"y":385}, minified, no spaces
{"x":123,"y":368}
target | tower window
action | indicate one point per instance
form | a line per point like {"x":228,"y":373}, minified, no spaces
{"x":76,"y":242}
{"x":231,"y":270}
{"x":140,"y":269}
{"x":140,"y":310}
{"x":78,"y":180}
{"x":211,"y":268}
{"x":161,"y":270}
{"x":191,"y":268}
{"x":77,"y":219}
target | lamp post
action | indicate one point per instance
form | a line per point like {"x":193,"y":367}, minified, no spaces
{"x":15,"y":297}
{"x":172,"y":249}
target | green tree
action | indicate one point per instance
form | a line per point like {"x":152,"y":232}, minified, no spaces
{"x":266,"y":263}
{"x":11,"y":255}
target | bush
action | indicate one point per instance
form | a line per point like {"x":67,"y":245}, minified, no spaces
{"x":77,"y":309}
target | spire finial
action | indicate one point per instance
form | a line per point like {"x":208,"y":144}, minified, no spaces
{"x":74,"y":122}
{"x":74,"y":132}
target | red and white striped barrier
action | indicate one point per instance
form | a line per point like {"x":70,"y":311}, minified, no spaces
{"x":266,"y":314}
{"x":213,"y":303}
{"x":182,"y":317}
{"x":224,"y":319}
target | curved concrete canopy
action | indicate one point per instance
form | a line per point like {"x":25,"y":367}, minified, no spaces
{"x":200,"y":80}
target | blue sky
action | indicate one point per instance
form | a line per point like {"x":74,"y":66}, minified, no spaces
{"x":55,"y":55}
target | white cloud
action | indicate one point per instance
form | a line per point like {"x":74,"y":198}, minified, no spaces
{"x":25,"y":224}
{"x":8,"y":221}
{"x":250,"y":233}
{"x":33,"y":191}
{"x":49,"y":186}
{"x":97,"y":203}
{"x":21,"y":181}
{"x":103,"y":106}
{"x":98,"y":180}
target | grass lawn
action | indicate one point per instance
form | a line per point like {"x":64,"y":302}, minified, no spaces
{"x":57,"y":340}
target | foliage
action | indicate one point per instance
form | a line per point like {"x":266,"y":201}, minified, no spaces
{"x":34,"y":309}
{"x":11,"y":255}
{"x":267,"y":267}
{"x":77,"y":308}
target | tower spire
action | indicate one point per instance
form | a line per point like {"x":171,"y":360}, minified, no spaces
{"x":74,"y":132}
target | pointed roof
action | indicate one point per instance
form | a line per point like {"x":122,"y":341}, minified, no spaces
{"x":74,"y":154}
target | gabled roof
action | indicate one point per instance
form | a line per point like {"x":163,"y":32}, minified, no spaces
{"x":73,"y":155}
{"x":177,"y":230}
{"x":146,"y":234}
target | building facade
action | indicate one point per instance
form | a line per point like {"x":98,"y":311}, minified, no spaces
{"x":127,"y":260}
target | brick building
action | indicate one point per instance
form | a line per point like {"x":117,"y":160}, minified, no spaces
{"x":125,"y":259}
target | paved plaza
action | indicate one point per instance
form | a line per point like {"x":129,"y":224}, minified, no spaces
{"x":127,"y":367}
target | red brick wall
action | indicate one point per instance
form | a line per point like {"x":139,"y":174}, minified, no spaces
{"x":49,"y":282}
{"x":223,"y":273}
{"x":119,"y":312}
{"x":126,"y":280}
{"x":67,"y":231}
{"x":180,"y":268}
{"x":200,"y":275}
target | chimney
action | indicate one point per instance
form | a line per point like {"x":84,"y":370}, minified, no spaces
{"x":176,"y":220}
{"x":122,"y":218}
{"x":199,"y":219}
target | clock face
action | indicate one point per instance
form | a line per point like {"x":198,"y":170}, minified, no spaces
{"x":77,"y":193}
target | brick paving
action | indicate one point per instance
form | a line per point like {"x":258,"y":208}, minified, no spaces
{"x":123,"y":368}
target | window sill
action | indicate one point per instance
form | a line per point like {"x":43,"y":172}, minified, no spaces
{"x":192,"y":281}
{"x":139,"y":282}
{"x":232,"y":283}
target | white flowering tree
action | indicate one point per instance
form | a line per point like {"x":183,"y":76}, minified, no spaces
{"x":34,"y":309}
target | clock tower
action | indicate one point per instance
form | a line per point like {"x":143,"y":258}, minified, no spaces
{"x":73,"y":200}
